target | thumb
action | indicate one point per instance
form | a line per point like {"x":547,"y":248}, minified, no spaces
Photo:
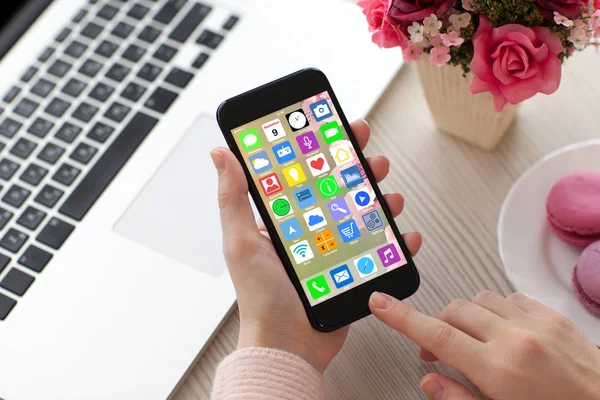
{"x":440,"y":387}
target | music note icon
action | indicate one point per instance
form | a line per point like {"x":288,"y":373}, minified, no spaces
{"x":389,"y":255}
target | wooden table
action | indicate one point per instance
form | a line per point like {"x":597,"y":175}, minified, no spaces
{"x":453,"y":196}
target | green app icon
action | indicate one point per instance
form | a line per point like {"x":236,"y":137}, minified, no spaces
{"x":318,"y":287}
{"x":331,"y":132}
{"x":328,"y":187}
{"x":250,"y":139}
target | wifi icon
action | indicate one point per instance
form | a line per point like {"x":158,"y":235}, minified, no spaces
{"x":302,"y":252}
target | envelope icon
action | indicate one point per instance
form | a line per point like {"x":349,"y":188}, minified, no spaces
{"x":341,"y":276}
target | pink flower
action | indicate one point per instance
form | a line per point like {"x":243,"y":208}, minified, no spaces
{"x":569,"y":8}
{"x":468,"y":4}
{"x":432,"y":25}
{"x":595,"y":20}
{"x":412,"y":53}
{"x":514,"y":62}
{"x":562,"y":20}
{"x":597,"y":4}
{"x":408,"y":11}
{"x":452,"y":39}
{"x":460,"y":21}
{"x":386,"y":33}
{"x":440,"y":56}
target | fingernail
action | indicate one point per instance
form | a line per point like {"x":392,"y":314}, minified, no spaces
{"x":218,"y":160}
{"x":433,"y":389}
{"x":381,"y":301}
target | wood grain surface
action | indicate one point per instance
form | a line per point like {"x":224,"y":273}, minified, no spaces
{"x":453,"y":192}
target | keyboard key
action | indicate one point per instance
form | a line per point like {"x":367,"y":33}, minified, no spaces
{"x":34,"y":174}
{"x":90,"y":68}
{"x":74,"y":87}
{"x":169,"y":11}
{"x":179,"y":77}
{"x":9,"y":127}
{"x":100,"y":132}
{"x":138,"y":11}
{"x":51,"y":153}
{"x":189,"y":23}
{"x":31,"y":218}
{"x":210,"y":39}
{"x":17,"y":281}
{"x":55,"y":233}
{"x":57,"y":107}
{"x":92,"y":30}
{"x":68,"y":132}
{"x":66,"y":174}
{"x":230,"y":23}
{"x":40,"y":127}
{"x":5,"y":216}
{"x":123,"y":30}
{"x":118,"y":72}
{"x":83,"y":153}
{"x":4,"y":261}
{"x":29,"y":74}
{"x":79,"y":16}
{"x":85,"y":112}
{"x":134,"y":53}
{"x":108,"y":166}
{"x":43,"y":88}
{"x":149,"y":34}
{"x":161,"y":100}
{"x":13,"y":240}
{"x":201,"y":60}
{"x":23,"y":148}
{"x":8,"y":168}
{"x":76,"y":49}
{"x":6,"y":306}
{"x":108,"y":12}
{"x":149,"y":72}
{"x":26,"y":108}
{"x":63,"y":35}
{"x":59,"y":68}
{"x":165,"y":53}
{"x":106,"y":49}
{"x":46,"y":54}
{"x":35,"y":258}
{"x":12,"y":93}
{"x":49,"y":196}
{"x":102,"y":92}
{"x":16,"y":196}
{"x":133,"y":92}
{"x":117,"y":112}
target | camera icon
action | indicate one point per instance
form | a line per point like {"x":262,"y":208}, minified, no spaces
{"x":321,"y":110}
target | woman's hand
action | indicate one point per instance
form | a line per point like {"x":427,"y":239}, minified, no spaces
{"x":271,"y":313}
{"x":512,"y":348}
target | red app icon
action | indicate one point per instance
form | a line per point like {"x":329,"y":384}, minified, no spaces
{"x":270,"y":184}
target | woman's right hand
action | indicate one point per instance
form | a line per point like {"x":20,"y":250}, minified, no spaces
{"x":512,"y":348}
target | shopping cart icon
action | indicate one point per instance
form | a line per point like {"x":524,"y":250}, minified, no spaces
{"x":349,"y":231}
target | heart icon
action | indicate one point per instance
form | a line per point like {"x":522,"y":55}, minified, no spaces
{"x":318,"y":163}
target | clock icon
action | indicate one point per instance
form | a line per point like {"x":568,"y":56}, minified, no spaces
{"x":365,"y":265}
{"x":297,"y":120}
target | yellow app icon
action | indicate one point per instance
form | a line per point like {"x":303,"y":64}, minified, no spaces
{"x":294,"y":174}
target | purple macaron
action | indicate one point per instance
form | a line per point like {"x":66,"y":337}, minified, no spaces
{"x":586,"y":279}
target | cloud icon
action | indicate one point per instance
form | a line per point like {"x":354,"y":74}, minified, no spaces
{"x":314,"y":220}
{"x":260,"y":163}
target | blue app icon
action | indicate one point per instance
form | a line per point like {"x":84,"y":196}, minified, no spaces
{"x":321,"y":110}
{"x":305,"y":197}
{"x":352,"y":176}
{"x":291,"y":229}
{"x":284,"y":152}
{"x":349,"y":231}
{"x":341,"y":276}
{"x":260,"y":162}
{"x":362,"y":198}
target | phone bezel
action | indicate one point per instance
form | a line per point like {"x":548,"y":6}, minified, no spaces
{"x":349,"y":306}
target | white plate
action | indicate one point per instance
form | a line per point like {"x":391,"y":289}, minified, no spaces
{"x":537,"y":263}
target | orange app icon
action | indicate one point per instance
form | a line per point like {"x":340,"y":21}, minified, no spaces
{"x":270,"y":184}
{"x":325,"y":241}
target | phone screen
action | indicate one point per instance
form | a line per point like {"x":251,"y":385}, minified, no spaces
{"x":319,"y":198}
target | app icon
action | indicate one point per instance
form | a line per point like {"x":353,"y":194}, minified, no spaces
{"x":297,"y":120}
{"x":315,"y":219}
{"x":250,"y":139}
{"x":328,"y":187}
{"x":352,"y":176}
{"x":321,"y":110}
{"x":318,"y":287}
{"x":341,"y":154}
{"x":372,"y":220}
{"x":317,"y":164}
{"x":365,"y":266}
{"x":291,"y":229}
{"x":363,"y":198}
{"x":270,"y":184}
{"x":325,"y":241}
{"x":349,"y":231}
{"x":274,"y":130}
{"x":331,"y":132}
{"x":294,"y":174}
{"x":281,"y":207}
{"x":260,"y":162}
{"x":389,"y":255}
{"x":338,"y":209}
{"x":341,"y":276}
{"x":307,"y":142}
{"x":284,"y":152}
{"x":305,"y":197}
{"x":302,"y":252}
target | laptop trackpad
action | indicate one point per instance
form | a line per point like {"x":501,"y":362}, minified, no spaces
{"x":176,"y":213}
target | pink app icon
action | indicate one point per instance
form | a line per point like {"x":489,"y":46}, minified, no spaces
{"x":307,"y":142}
{"x":389,"y":255}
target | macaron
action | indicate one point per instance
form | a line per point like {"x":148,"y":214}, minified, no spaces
{"x":586,"y":279}
{"x":573,"y":209}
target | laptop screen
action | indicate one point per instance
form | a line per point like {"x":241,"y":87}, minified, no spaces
{"x":16,"y":17}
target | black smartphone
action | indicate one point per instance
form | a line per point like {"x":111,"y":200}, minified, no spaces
{"x":318,"y":198}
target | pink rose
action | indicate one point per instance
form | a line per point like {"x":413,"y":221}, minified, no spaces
{"x":514,"y":62}
{"x":408,"y":11}
{"x":386,"y":33}
{"x":597,"y":4}
{"x":569,"y":8}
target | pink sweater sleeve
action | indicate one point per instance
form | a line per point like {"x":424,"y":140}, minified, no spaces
{"x":266,"y":374}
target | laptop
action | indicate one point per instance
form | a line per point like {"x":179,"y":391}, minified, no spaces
{"x":112,"y":279}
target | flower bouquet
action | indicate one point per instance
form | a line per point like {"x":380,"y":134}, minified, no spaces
{"x":510,"y":49}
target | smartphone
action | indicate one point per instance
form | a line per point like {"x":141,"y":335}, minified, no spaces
{"x":317,"y":197}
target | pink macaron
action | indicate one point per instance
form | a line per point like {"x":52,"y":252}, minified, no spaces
{"x":573,"y":208}
{"x":586,"y":279}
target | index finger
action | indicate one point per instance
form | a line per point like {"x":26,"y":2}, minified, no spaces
{"x":362,"y":132}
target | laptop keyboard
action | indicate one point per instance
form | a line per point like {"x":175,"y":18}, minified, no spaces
{"x":80,"y":111}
